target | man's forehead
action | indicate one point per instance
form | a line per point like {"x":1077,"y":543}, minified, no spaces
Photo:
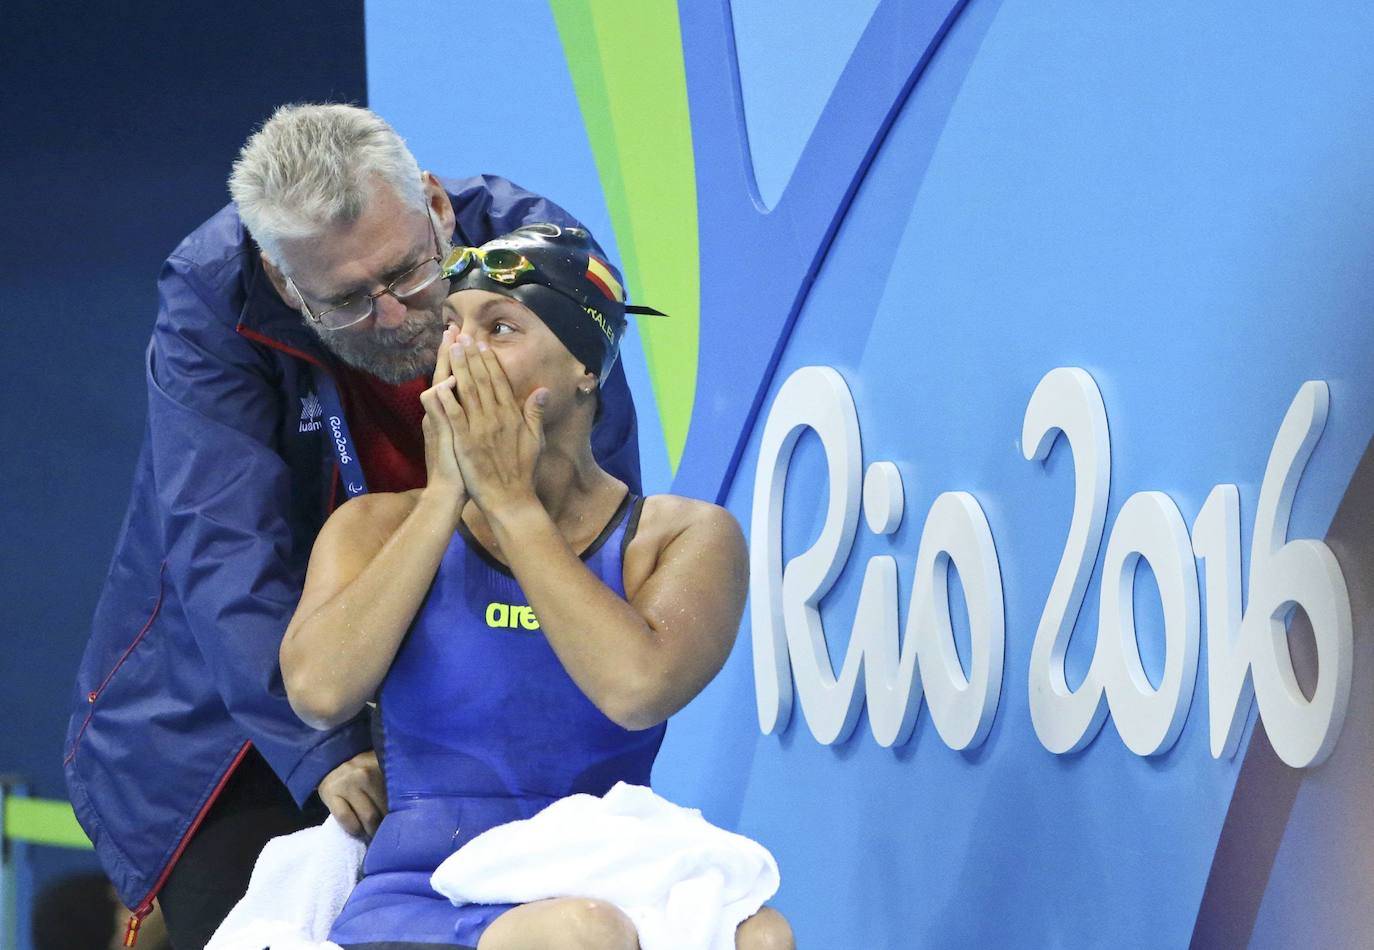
{"x":389,"y":233}
{"x":358,"y":254}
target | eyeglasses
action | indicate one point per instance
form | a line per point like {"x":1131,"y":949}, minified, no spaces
{"x":357,"y":309}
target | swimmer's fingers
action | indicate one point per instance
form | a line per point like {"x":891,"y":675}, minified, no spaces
{"x":441,"y":411}
{"x":481,"y":376}
{"x":453,"y":411}
{"x":468,"y":393}
{"x":534,"y":414}
{"x":437,"y":425}
{"x":499,"y":384}
{"x":442,"y":367}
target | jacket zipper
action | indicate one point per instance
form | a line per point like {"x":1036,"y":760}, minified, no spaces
{"x":94,"y":694}
{"x":145,"y":907}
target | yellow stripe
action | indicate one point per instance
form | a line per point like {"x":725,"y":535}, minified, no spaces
{"x":607,"y":278}
{"x":42,"y":821}
{"x":626,"y":62}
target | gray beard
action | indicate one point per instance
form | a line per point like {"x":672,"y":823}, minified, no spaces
{"x":383,"y":353}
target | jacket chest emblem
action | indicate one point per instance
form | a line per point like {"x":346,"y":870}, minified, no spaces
{"x":311,"y":413}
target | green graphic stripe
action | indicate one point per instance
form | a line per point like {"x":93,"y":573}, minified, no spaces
{"x":626,"y":65}
{"x":43,"y":821}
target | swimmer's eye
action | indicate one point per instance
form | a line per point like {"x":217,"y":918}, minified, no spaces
{"x":500,"y":325}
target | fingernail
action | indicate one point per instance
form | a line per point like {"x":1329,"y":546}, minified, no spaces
{"x":541,"y":397}
{"x":465,"y":340}
{"x":482,"y":346}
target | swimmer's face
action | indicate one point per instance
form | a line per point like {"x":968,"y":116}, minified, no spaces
{"x":529,"y":352}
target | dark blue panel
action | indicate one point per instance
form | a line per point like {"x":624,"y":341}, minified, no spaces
{"x":120,"y":122}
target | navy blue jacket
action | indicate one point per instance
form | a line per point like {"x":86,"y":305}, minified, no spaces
{"x":231,"y":487}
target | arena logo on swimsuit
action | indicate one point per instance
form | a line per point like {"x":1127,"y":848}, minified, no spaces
{"x":1248,"y":658}
{"x":510,"y":616}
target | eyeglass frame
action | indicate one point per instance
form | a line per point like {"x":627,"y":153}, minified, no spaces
{"x":437,"y":259}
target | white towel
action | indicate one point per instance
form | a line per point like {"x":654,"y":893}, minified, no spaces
{"x":298,"y":887}
{"x":685,"y":883}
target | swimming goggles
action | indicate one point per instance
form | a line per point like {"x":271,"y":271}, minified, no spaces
{"x":501,"y":264}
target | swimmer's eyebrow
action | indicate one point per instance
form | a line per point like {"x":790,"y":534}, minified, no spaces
{"x":503,"y":304}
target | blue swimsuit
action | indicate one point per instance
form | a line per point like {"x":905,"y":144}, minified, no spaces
{"x":481,"y":725}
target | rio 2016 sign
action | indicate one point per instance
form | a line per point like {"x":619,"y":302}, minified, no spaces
{"x":1247,"y":649}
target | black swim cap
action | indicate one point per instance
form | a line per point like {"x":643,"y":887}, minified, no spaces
{"x":556,"y":272}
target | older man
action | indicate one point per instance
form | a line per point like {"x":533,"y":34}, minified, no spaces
{"x":295,"y":332}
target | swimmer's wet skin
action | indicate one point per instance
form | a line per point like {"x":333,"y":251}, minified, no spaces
{"x":526,"y":623}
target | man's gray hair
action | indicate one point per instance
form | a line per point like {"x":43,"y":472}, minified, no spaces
{"x":312,"y":166}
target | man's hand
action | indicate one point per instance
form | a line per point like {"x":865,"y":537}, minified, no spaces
{"x":355,"y":794}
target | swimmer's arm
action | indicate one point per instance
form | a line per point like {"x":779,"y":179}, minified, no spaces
{"x":369,"y":572}
{"x":639,"y":661}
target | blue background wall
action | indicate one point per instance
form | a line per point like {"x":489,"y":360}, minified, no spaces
{"x":945,"y":201}
{"x":941,"y":200}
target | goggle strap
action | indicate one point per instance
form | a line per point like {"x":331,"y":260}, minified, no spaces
{"x":644,"y":311}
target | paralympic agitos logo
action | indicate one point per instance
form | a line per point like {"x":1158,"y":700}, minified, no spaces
{"x":1248,"y":657}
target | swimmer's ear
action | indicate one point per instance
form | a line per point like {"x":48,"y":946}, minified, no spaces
{"x":590,"y":381}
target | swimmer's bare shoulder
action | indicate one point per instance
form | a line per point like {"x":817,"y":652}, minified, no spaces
{"x":354,"y":533}
{"x":689,"y":543}
{"x":370,"y":519}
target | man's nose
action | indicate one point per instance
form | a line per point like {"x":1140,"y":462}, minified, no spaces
{"x":388,"y":311}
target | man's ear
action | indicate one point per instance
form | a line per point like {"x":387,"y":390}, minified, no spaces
{"x":438,"y":201}
{"x":278,"y":280}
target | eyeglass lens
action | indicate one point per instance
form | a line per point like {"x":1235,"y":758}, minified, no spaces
{"x":360,"y":308}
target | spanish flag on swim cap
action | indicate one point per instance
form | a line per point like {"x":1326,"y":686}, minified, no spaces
{"x":577,"y":293}
{"x":600,"y":274}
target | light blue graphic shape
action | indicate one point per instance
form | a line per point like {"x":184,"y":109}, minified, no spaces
{"x":1185,"y":216}
{"x":790,"y":56}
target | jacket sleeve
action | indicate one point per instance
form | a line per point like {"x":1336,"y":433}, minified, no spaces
{"x":224,"y":494}
{"x":488,"y":206}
